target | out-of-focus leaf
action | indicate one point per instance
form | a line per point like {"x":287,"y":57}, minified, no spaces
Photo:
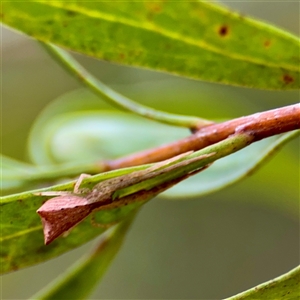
{"x":284,"y":287}
{"x":79,"y":135}
{"x":16,"y":174}
{"x":113,"y":97}
{"x":231,"y":169}
{"x":13,"y":172}
{"x":80,"y":122}
{"x":80,"y":100}
{"x":196,"y":39}
{"x":97,"y":135}
{"x":81,"y":278}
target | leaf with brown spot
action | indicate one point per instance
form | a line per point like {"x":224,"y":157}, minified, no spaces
{"x":205,"y":41}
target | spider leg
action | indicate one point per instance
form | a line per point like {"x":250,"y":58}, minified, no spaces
{"x":53,"y":193}
{"x":79,"y":181}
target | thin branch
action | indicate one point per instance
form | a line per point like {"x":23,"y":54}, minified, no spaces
{"x":260,"y":125}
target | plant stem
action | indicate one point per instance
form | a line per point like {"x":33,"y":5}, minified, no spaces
{"x":260,"y":125}
{"x":117,"y":99}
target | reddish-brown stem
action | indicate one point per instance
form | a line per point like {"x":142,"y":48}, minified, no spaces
{"x":260,"y":125}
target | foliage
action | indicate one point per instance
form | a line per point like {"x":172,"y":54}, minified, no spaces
{"x":205,"y":42}
{"x":142,"y":34}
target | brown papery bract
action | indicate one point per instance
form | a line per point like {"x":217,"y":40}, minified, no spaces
{"x":61,"y":213}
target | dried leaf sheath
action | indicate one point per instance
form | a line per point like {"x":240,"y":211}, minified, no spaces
{"x":61,"y":213}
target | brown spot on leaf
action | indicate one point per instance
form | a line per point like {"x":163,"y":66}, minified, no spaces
{"x":71,"y":13}
{"x":121,"y":56}
{"x":287,"y":79}
{"x":267,"y":43}
{"x":223,"y":30}
{"x":153,"y":7}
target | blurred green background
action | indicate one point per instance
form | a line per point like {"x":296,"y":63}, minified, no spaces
{"x":207,"y":248}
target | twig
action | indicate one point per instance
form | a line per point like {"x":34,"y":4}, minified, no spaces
{"x":260,"y":125}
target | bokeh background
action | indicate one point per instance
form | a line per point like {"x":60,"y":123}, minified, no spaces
{"x":206,"y":248}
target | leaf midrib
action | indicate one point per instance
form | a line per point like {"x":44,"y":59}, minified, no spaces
{"x":20,"y":233}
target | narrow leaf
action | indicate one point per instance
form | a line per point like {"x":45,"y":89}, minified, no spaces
{"x":14,"y":172}
{"x":79,"y":135}
{"x":81,"y":278}
{"x":22,"y":231}
{"x":284,"y":287}
{"x":232,"y":168}
{"x":200,"y":39}
{"x":117,"y":99}
{"x":61,"y":213}
{"x":22,"y":237}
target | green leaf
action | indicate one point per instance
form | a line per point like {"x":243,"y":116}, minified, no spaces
{"x":232,"y":168}
{"x":21,"y":229}
{"x":39,"y":149}
{"x":13,"y":172}
{"x":21,"y":235}
{"x":117,"y":99}
{"x":96,"y":135}
{"x":22,"y":232}
{"x":200,"y":40}
{"x":81,"y":278}
{"x":284,"y":287}
{"x":81,"y":134}
{"x":16,"y":174}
